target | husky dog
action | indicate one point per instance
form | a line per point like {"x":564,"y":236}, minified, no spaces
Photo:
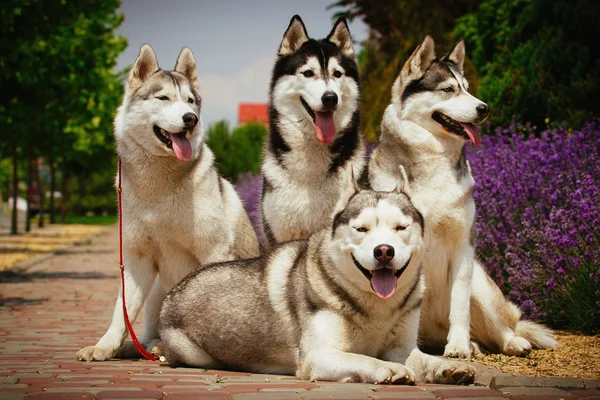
{"x":178,"y":212}
{"x":313,"y":131}
{"x":340,"y":306}
{"x":425,"y":129}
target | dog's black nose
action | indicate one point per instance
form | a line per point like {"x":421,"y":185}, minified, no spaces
{"x":483,"y":109}
{"x":190,"y":119}
{"x":329,"y":99}
{"x":383,"y":253}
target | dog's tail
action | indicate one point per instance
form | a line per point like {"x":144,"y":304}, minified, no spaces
{"x":540,"y":336}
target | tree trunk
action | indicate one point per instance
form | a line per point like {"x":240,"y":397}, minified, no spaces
{"x":15,"y":192}
{"x":29,"y":189}
{"x":64,"y":195}
{"x":41,"y":195}
{"x":52,"y":190}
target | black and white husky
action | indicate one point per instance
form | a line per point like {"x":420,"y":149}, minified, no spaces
{"x":340,"y":306}
{"x":314,"y":131}
{"x":425,"y":129}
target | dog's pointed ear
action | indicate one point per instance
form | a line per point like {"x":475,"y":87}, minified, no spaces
{"x":340,"y":36}
{"x":404,"y":185}
{"x":415,"y":67}
{"x":349,"y":188}
{"x":145,"y":65}
{"x":186,"y":66}
{"x":457,"y":55}
{"x":294,"y":37}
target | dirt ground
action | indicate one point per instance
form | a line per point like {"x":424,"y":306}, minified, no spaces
{"x":19,"y":248}
{"x":577,"y":355}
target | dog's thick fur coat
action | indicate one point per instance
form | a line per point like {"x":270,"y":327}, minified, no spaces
{"x":178,"y":213}
{"x":310,"y":307}
{"x":313,"y":131}
{"x":425,"y":129}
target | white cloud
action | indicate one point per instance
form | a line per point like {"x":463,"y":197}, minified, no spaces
{"x":222,"y":94}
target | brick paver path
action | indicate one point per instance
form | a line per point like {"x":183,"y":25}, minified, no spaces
{"x":65,"y":302}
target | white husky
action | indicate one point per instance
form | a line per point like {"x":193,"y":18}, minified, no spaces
{"x":178,"y":213}
{"x":425,"y":129}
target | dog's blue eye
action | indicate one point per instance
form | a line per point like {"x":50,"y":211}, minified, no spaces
{"x":362,"y":229}
{"x":191,"y":101}
{"x":400,"y":228}
{"x":308,"y":74}
{"x":337,"y":74}
{"x":163,"y":98}
{"x":448,"y":89}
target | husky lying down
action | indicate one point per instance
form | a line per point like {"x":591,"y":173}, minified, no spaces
{"x":341,"y":306}
{"x":425,"y":129}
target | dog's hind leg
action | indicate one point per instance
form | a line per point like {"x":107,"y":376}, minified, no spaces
{"x":149,"y":338}
{"x":179,"y":349}
{"x":493,"y":318}
{"x":139,"y":275}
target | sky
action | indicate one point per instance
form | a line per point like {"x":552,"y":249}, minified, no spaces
{"x":234,"y":42}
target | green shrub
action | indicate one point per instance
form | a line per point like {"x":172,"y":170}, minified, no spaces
{"x":236,"y":152}
{"x":536,"y":59}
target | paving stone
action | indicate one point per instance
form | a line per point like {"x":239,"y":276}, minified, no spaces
{"x":584,"y":394}
{"x":477,"y":398}
{"x":466,"y":392}
{"x":537,"y":391}
{"x":120,"y":394}
{"x":199,"y":396}
{"x":399,"y":388}
{"x":8,"y":380}
{"x":60,"y":396}
{"x":592,"y":383}
{"x":403,"y":395}
{"x":86,"y":390}
{"x":338,"y":394}
{"x":13,"y":396}
{"x":543,"y":397}
{"x":345,"y":387}
{"x":499,"y":382}
{"x":267,"y":396}
{"x":12,"y":385}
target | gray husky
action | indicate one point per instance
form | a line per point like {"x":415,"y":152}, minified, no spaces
{"x":313,"y":131}
{"x":340,"y":306}
{"x":425,"y":129}
{"x":178,"y":212}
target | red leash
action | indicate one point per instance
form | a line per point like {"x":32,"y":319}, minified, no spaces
{"x":136,"y":342}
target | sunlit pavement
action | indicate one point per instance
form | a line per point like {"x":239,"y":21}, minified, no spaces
{"x":65,"y":302}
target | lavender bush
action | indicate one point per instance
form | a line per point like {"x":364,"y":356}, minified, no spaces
{"x":538,"y":209}
{"x":538,"y":220}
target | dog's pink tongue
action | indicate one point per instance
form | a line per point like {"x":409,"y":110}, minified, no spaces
{"x":325,"y":126}
{"x":473,"y":132}
{"x":181,"y":147}
{"x":384,"y":283}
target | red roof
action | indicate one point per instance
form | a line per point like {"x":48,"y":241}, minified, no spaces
{"x":253,"y":113}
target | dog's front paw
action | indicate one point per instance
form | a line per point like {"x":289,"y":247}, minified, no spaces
{"x":452,"y":372}
{"x":93,"y":353}
{"x":393,"y":373}
{"x":517,"y":346}
{"x":458,"y":347}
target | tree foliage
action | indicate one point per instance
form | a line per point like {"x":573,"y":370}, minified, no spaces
{"x":58,"y":86}
{"x":236,"y":152}
{"x":537,"y":59}
{"x":397,"y":27}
